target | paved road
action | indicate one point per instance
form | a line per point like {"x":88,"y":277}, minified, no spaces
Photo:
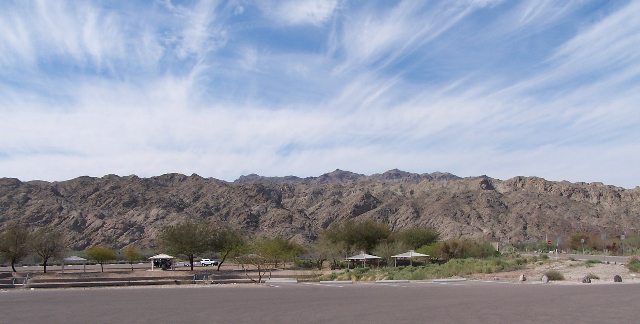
{"x":464,"y":302}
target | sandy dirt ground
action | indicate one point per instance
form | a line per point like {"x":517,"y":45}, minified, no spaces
{"x":573,"y":272}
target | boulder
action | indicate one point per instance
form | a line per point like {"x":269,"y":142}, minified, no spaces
{"x":586,"y":279}
{"x":523,"y":278}
{"x":545,"y":279}
{"x":617,"y":278}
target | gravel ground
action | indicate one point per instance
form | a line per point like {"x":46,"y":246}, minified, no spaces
{"x":573,"y":272}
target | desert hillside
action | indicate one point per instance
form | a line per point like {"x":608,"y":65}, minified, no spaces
{"x":120,"y":211}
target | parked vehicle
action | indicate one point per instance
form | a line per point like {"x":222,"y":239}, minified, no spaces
{"x":208,"y":262}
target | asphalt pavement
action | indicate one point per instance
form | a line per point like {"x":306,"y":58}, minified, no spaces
{"x":413,"y":302}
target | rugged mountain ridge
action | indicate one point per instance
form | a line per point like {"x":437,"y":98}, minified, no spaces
{"x":121,"y":211}
{"x":339,"y":176}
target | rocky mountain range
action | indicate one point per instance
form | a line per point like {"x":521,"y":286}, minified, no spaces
{"x":122,"y":211}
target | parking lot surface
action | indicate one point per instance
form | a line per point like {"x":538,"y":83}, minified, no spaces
{"x":449,"y":302}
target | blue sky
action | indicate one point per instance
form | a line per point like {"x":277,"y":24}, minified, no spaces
{"x":226,"y":88}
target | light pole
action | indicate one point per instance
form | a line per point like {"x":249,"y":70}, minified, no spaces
{"x":622,"y":238}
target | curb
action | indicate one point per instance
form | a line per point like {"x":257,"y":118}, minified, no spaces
{"x":268,"y":282}
{"x":336,"y":282}
{"x":449,"y":280}
{"x":392,"y":281}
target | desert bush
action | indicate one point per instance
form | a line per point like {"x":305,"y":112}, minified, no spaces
{"x":544,"y":256}
{"x":590,"y":263}
{"x":533,"y":259}
{"x":520,"y":261}
{"x":554,"y":275}
{"x":358,"y":273}
{"x":593,"y":276}
{"x":633,"y":264}
{"x":304,"y":263}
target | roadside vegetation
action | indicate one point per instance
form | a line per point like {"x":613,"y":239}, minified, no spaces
{"x":633,"y":264}
{"x":193,"y":239}
{"x":454,"y":267}
{"x":554,"y":275}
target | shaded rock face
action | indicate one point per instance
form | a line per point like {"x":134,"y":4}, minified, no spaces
{"x":339,"y":176}
{"x":121,"y":211}
{"x":617,"y":278}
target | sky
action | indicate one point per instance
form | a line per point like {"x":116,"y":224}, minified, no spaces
{"x":303,"y":87}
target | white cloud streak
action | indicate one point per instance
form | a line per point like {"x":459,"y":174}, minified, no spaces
{"x":36,"y":30}
{"x":299,"y":12}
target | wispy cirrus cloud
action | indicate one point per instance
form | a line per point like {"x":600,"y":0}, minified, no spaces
{"x":45,"y":30}
{"x":299,"y":12}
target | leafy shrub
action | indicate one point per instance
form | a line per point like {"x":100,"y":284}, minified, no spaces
{"x":533,"y":259}
{"x":554,"y":275}
{"x":544,"y":256}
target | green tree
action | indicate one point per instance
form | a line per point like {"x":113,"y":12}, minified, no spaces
{"x":48,"y":242}
{"x":228,"y":242}
{"x":132,"y":255}
{"x":575,"y":241}
{"x":415,"y":237}
{"x":386,"y":250}
{"x":362,"y":235}
{"x":101,"y":255}
{"x":265,"y":254}
{"x":250,"y":253}
{"x":14,"y":243}
{"x":466,"y":248}
{"x":433,"y":250}
{"x":278,"y":250}
{"x":189,"y":238}
{"x":326,"y":250}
